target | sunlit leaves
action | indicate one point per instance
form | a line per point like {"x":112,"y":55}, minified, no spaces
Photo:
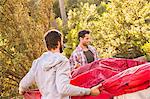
{"x":22,"y":25}
{"x":120,"y":31}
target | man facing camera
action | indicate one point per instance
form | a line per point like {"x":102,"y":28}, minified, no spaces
{"x":84,"y":52}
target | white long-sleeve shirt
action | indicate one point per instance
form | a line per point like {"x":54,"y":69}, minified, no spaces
{"x":51,"y":74}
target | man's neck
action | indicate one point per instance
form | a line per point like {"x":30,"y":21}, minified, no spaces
{"x":85,"y":48}
{"x":56,"y":50}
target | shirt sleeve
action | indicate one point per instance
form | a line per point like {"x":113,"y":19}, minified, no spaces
{"x":97,"y":57}
{"x":74,"y":61}
{"x":28,"y":79}
{"x":63,"y":82}
{"x":96,"y":54}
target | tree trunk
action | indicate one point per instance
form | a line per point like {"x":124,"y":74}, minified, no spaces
{"x":63,"y":12}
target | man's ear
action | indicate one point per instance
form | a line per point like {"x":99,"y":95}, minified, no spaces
{"x":80,"y":39}
{"x":58,"y":44}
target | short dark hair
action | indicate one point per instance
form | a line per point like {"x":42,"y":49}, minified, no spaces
{"x":82,"y":33}
{"x":52,"y":38}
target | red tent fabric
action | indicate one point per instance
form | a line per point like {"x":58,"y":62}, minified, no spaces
{"x":116,"y":64}
{"x":32,"y":94}
{"x":92,"y":78}
{"x":99,"y":71}
{"x":131,"y":80}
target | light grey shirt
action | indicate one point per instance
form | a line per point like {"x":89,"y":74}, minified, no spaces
{"x":51,"y":74}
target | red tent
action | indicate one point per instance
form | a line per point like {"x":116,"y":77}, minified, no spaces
{"x":32,"y":94}
{"x":115,"y":64}
{"x":99,"y":71}
{"x":130,"y":80}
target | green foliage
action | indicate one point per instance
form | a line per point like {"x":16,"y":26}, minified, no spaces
{"x":76,"y":3}
{"x":71,"y":4}
{"x":22,"y":24}
{"x":78,"y":19}
{"x":146,"y":49}
{"x":120,"y":31}
{"x":124,"y":28}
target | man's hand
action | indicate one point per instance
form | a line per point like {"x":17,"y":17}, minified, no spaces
{"x":21,"y":92}
{"x":95,"y":90}
{"x":77,"y":65}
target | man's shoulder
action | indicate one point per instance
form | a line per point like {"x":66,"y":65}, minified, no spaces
{"x":90,"y":46}
{"x":49,"y":56}
{"x":76,"y":51}
{"x":62,"y":57}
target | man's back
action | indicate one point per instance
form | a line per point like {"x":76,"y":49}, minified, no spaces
{"x":43,"y":72}
{"x":51,"y":74}
{"x":45,"y":75}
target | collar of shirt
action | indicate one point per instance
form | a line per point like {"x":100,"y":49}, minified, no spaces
{"x":80,"y":49}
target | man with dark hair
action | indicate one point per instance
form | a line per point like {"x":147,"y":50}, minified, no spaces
{"x":84,"y":53}
{"x":51,"y":72}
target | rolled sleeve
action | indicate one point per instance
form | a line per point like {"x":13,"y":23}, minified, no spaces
{"x":63,"y":82}
{"x":28,"y":79}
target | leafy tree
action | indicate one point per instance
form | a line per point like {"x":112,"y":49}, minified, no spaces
{"x":71,"y":4}
{"x":119,"y":31}
{"x":22,"y":24}
{"x":78,"y":19}
{"x":123,"y":29}
{"x":76,"y":3}
{"x":146,"y":50}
